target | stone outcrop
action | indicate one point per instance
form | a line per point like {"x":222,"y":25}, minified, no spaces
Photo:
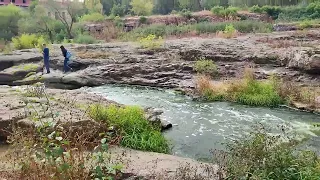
{"x":169,"y":67}
{"x":306,"y":60}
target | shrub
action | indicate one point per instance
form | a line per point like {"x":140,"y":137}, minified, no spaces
{"x":151,"y":42}
{"x":205,"y":66}
{"x":186,"y":13}
{"x":94,"y":17}
{"x":143,"y":20}
{"x":229,"y":32}
{"x":261,"y":155}
{"x":218,"y":10}
{"x":256,"y":9}
{"x":27,"y":41}
{"x":118,"y":22}
{"x":305,"y":24}
{"x":85,"y":39}
{"x":228,"y":12}
{"x":135,"y":130}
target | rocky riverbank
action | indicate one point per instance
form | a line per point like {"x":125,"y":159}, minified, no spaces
{"x":293,"y":56}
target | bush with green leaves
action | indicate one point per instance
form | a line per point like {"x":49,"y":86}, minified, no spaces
{"x":143,"y":20}
{"x":225,"y":12}
{"x":151,"y":42}
{"x":85,"y":39}
{"x":261,"y":155}
{"x":28,"y":41}
{"x":186,"y":13}
{"x":94,"y":17}
{"x":205,"y":66}
{"x":136,"y":132}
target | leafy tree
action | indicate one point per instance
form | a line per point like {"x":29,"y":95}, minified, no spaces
{"x":107,"y":6}
{"x":118,"y":10}
{"x":142,"y":7}
{"x":9,"y":17}
{"x":94,"y":6}
{"x":38,"y":22}
{"x":192,"y":5}
{"x":164,"y":6}
{"x":67,"y":13}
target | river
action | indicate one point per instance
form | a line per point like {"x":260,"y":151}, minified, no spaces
{"x":201,"y":127}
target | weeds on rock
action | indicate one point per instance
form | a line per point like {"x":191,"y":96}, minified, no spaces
{"x":151,"y":42}
{"x":135,"y":131}
{"x":229,"y":32}
{"x":261,"y":155}
{"x":205,"y":66}
{"x":36,"y":90}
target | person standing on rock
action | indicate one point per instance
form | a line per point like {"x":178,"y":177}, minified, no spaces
{"x":45,"y":53}
{"x":66,"y":56}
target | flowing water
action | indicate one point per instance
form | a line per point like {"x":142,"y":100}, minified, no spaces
{"x":200,"y":127}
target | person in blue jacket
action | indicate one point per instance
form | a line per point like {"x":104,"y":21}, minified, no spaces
{"x":46,"y":57}
{"x":66,"y":55}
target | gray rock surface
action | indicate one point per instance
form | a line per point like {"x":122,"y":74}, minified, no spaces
{"x":172,"y":66}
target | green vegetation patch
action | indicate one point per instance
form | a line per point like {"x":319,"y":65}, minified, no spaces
{"x":261,"y":155}
{"x":136,"y":132}
{"x":247,"y":91}
{"x":27,"y":67}
{"x":246,"y":26}
{"x":205,"y":66}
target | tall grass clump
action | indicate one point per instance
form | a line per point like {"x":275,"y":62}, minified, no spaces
{"x":135,"y":131}
{"x":247,"y":91}
{"x":261,"y":155}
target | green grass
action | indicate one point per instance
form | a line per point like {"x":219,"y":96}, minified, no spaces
{"x":246,"y":26}
{"x":258,"y":93}
{"x":261,"y":155}
{"x":247,"y":91}
{"x":135,"y":130}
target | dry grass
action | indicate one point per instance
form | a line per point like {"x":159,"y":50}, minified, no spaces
{"x":306,"y":95}
{"x":94,"y":54}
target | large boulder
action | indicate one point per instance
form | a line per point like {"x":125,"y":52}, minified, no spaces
{"x":307,"y":60}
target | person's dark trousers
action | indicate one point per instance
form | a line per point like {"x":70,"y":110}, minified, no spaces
{"x":66,"y":67}
{"x":46,"y":64}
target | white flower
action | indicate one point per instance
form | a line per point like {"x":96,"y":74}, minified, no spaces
{"x":59,"y":138}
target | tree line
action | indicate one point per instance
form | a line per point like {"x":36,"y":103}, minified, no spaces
{"x":123,"y":7}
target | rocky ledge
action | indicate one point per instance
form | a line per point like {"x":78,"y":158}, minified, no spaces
{"x":289,"y":55}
